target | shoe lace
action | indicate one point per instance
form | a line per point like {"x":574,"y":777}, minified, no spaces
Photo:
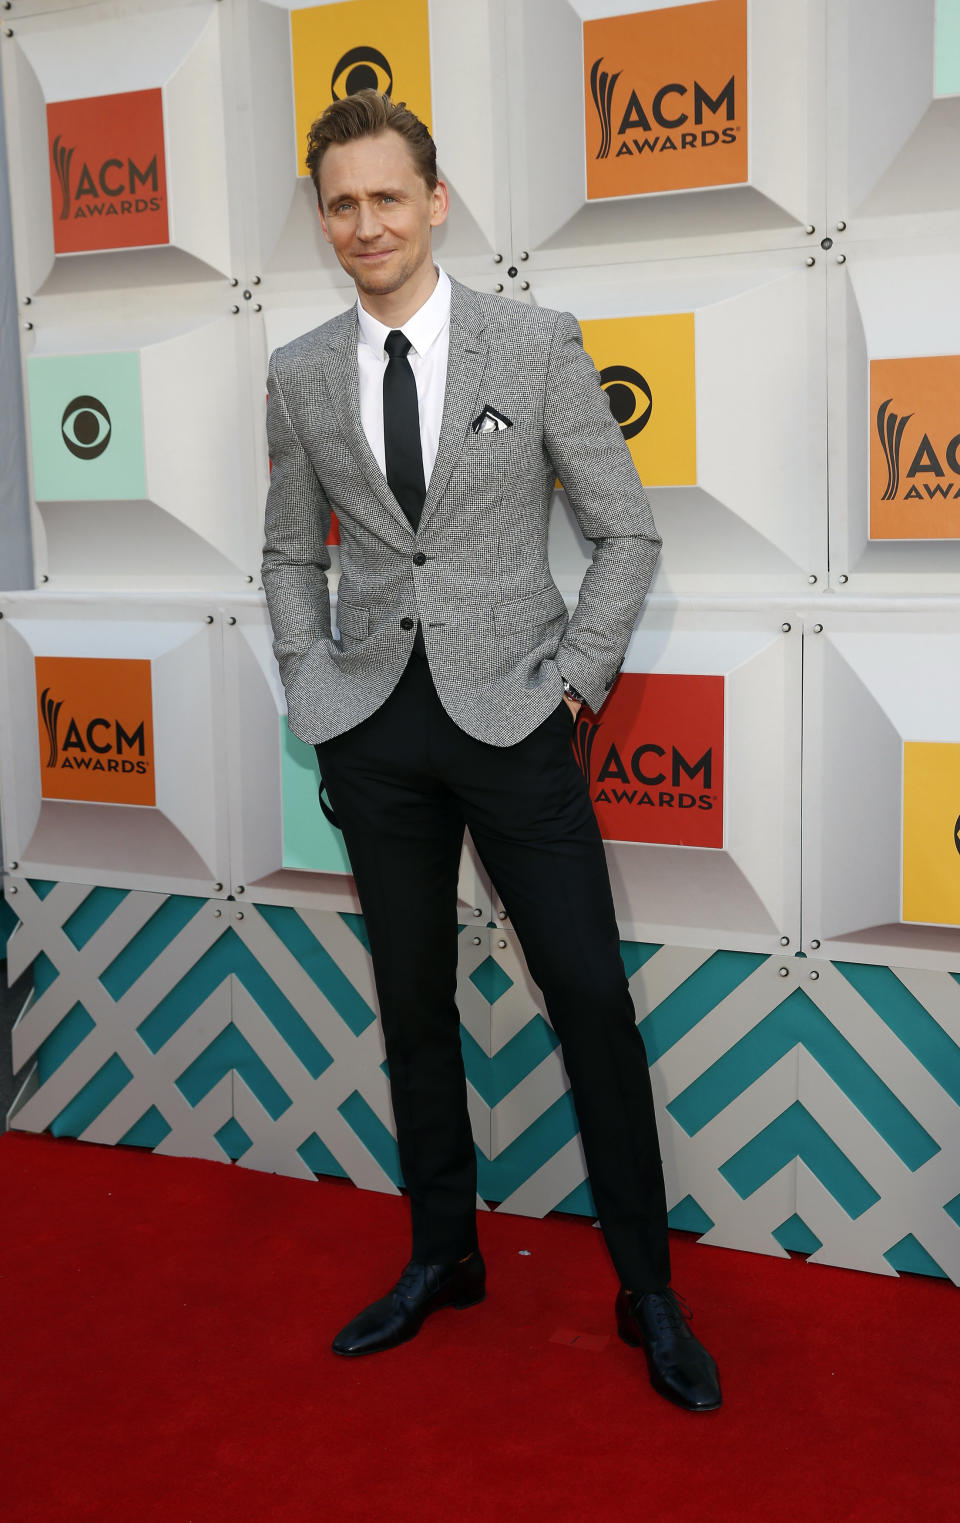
{"x":667,"y":1310}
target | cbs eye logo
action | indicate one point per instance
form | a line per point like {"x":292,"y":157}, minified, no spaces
{"x":361,"y":69}
{"x":630,"y":398}
{"x":86,"y":427}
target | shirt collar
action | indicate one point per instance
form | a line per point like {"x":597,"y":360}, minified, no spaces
{"x":421,"y":329}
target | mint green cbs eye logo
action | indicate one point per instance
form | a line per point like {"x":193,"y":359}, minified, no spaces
{"x":86,"y":427}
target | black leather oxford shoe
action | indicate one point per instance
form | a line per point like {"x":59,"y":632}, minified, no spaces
{"x":421,"y":1289}
{"x":680,"y":1367}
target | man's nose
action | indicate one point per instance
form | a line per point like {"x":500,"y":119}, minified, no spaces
{"x":368,"y":222}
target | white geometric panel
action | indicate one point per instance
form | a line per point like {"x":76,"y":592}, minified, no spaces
{"x":694,"y":772}
{"x":881,"y":790}
{"x":283,"y":847}
{"x":421,"y":54}
{"x":688,"y":126}
{"x":727,"y":431}
{"x":116,"y":126}
{"x":112,"y":751}
{"x":166,"y":495}
{"x":894,"y":417}
{"x":894,"y":114}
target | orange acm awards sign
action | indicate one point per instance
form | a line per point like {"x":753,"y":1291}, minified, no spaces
{"x":108,"y":177}
{"x":666,"y":99}
{"x":95,"y":727}
{"x":915,"y":448}
{"x":654,"y":759}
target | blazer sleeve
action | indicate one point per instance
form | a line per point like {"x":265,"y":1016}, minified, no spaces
{"x":295,"y":554}
{"x":591,"y":458}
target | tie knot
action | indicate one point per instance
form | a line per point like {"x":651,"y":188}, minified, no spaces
{"x":396,"y":344}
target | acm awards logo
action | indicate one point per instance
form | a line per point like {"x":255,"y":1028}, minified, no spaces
{"x":658,"y":125}
{"x":915,"y":448}
{"x":96,"y":729}
{"x":666,"y":99}
{"x":654,"y":761}
{"x":107,"y":171}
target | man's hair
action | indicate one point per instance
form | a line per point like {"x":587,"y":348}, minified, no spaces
{"x":362,"y":115}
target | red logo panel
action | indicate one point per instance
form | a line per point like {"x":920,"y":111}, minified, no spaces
{"x":107,"y":172}
{"x":654,"y":760}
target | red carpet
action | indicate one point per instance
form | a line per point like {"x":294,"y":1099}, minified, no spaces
{"x":165,"y":1359}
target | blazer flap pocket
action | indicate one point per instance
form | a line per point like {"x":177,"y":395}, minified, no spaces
{"x":525,"y":613}
{"x":353,"y":621}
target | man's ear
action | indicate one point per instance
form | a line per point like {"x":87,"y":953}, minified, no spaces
{"x":439,"y":203}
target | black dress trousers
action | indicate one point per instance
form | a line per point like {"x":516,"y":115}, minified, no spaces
{"x":403,"y":785}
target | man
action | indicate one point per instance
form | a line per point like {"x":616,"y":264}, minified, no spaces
{"x":433,"y":421}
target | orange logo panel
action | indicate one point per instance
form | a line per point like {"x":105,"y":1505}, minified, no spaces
{"x":666,"y":99}
{"x":107,"y":172}
{"x":915,"y":448}
{"x":95,"y":725}
{"x":654,"y":759}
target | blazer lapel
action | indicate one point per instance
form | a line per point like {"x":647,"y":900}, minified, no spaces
{"x":466,"y":362}
{"x":339,"y":365}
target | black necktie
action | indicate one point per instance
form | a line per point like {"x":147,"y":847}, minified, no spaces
{"x":401,"y":428}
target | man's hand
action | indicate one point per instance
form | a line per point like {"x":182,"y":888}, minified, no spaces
{"x":572,"y":705}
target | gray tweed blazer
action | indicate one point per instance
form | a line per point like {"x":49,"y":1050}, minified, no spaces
{"x":496,"y":629}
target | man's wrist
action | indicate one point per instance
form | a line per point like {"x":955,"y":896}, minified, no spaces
{"x":570,"y":692}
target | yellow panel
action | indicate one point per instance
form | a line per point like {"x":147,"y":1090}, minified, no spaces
{"x":338,"y":49}
{"x":931,"y":832}
{"x":646,"y":365}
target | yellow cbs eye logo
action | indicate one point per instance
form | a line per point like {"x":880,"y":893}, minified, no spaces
{"x":630,"y":398}
{"x":361,"y":69}
{"x":85,"y":427}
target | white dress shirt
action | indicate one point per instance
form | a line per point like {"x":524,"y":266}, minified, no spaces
{"x":429,"y":333}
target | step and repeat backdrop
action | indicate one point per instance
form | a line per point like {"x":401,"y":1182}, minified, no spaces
{"x":752,"y":208}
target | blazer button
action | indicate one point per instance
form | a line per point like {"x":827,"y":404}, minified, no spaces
{"x":406,"y":623}
{"x":419,"y":559}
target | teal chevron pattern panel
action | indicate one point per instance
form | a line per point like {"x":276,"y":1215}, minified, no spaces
{"x":804,"y":1107}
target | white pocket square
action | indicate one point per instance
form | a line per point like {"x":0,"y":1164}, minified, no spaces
{"x":490,"y":421}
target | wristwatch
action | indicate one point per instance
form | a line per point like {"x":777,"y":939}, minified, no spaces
{"x":571,"y":692}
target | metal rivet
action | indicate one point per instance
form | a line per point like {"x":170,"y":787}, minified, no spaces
{"x":811,"y":578}
{"x":843,"y":579}
{"x":12,"y":889}
{"x":524,"y":285}
{"x":8,"y":31}
{"x":218,"y":888}
{"x":248,"y":295}
{"x":258,"y":306}
{"x":841,"y":227}
{"x":841,"y":259}
{"x":810,"y":229}
{"x":28,"y":327}
{"x":28,"y":301}
{"x":498,"y":259}
{"x":826,"y":243}
{"x":477,"y":941}
{"x":785,"y":628}
{"x":234,"y":309}
{"x":14,"y":866}
{"x":239,"y":889}
{"x":814,"y":944}
{"x":248,"y":578}
{"x":478,"y":912}
{"x":499,"y":286}
{"x":238,"y":915}
{"x":501,"y":944}
{"x":524,"y":254}
{"x":810,"y":260}
{"x":208,"y":619}
{"x":818,"y":629}
{"x":234,"y":281}
{"x":784,"y":941}
{"x":44,"y":578}
{"x":231,"y":619}
{"x":784,"y":972}
{"x":218,"y":914}
{"x":256,"y":280}
{"x":501,"y":914}
{"x":814,"y":974}
{"x":513,"y":271}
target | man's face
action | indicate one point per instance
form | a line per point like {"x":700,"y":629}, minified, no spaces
{"x":377,"y":211}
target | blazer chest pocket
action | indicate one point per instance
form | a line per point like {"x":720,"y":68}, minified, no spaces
{"x":353,"y":621}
